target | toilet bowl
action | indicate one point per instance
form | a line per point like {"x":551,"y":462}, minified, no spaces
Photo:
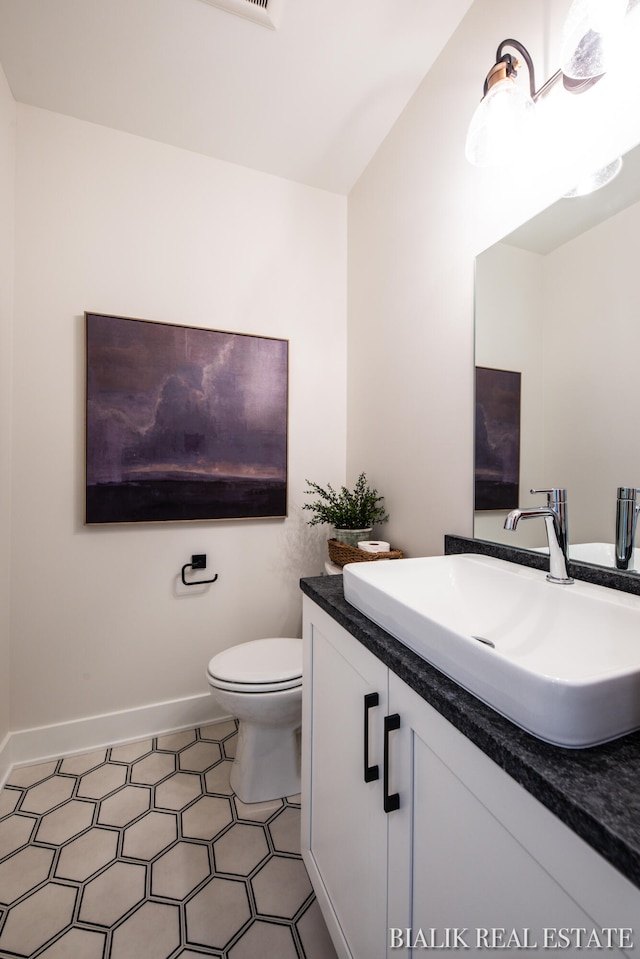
{"x":260,"y":684}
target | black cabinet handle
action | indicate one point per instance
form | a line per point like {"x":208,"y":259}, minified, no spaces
{"x":391,"y":803}
{"x":371,"y":773}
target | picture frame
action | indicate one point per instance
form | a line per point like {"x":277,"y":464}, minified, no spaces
{"x":497,"y":439}
{"x":183,"y":423}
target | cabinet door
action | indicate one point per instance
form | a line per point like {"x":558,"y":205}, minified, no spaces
{"x":453,"y":864}
{"x":347,"y":826}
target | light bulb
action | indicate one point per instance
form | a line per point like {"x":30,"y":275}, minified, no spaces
{"x":595,"y":181}
{"x":590,"y":36}
{"x":501,"y":126}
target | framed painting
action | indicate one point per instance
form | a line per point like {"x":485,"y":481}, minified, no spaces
{"x":183,"y":423}
{"x":497,"y":439}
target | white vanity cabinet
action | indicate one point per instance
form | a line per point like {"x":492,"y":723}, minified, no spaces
{"x":344,"y":822}
{"x":468,"y":859}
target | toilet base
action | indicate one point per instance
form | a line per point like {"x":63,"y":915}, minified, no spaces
{"x":267,"y":763}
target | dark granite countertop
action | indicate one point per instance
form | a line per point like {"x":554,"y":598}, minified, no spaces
{"x":596,"y":791}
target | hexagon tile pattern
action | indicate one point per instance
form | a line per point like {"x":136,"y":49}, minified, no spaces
{"x":142,"y":851}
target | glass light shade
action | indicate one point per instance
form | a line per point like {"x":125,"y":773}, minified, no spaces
{"x":501,"y":126}
{"x":597,"y":180}
{"x":590,"y":37}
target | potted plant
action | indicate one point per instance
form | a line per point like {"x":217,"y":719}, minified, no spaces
{"x":352,"y":513}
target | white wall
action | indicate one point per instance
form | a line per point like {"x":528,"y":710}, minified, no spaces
{"x":593,"y":338}
{"x":7,"y":173}
{"x":111,"y":223}
{"x":417,"y":217}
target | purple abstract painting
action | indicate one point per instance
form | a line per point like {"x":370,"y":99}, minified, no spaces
{"x":183,"y":423}
{"x":497,"y":446}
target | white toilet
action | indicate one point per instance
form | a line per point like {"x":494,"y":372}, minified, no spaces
{"x":260,"y":684}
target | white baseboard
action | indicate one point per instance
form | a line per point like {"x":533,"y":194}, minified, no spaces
{"x":28,"y":746}
{"x":5,"y":765}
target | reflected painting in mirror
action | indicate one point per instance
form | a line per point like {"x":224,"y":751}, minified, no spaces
{"x":497,"y":445}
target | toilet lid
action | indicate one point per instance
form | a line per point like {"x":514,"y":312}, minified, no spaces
{"x":276,"y":663}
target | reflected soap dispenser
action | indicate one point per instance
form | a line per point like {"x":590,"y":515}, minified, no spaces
{"x":627,"y":506}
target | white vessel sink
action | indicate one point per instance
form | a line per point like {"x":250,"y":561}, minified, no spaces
{"x":563,"y":662}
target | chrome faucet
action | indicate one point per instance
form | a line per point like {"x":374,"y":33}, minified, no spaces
{"x":555,"y":519}
{"x":627,"y":508}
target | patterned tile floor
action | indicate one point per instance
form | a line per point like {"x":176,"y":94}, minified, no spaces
{"x":142,"y":851}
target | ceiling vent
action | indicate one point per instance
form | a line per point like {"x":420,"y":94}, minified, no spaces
{"x":265,"y":12}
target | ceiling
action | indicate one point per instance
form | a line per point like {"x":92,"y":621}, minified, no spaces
{"x":310,"y":101}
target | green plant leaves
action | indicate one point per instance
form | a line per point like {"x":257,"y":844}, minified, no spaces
{"x":359,"y":508}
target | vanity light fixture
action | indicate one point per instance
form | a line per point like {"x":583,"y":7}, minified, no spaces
{"x":503,"y":122}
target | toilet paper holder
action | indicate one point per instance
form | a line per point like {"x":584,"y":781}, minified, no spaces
{"x":198,"y":561}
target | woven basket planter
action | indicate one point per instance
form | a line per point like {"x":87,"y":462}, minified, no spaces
{"x":341,"y":554}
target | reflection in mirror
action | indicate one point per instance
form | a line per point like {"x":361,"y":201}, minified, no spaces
{"x":558,"y":301}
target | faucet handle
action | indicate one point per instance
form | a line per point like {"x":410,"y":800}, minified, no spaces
{"x":628,"y":492}
{"x":555,"y":495}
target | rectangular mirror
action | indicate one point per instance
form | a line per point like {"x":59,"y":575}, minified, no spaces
{"x":558,"y":301}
